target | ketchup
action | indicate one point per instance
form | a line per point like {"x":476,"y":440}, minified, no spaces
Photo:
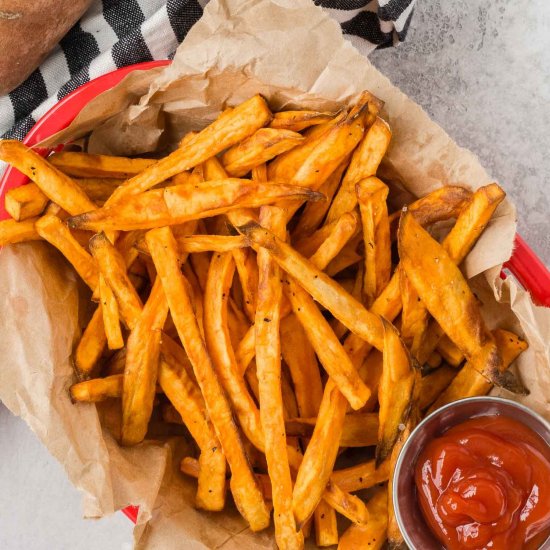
{"x":485,"y":484}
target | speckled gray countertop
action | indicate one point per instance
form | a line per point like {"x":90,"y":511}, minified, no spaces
{"x":481,"y":69}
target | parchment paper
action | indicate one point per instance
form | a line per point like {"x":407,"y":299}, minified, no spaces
{"x":294,"y":55}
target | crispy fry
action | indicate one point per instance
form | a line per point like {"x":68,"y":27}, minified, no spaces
{"x":330,"y":352}
{"x":209,"y":243}
{"x":12,"y":232}
{"x":373,"y":534}
{"x":58,"y":187}
{"x":469,"y":382}
{"x":395,"y":391}
{"x":181,"y":203}
{"x":98,"y":389}
{"x":98,"y":189}
{"x":372,"y":194}
{"x":300,"y":358}
{"x":321,"y":287}
{"x":26,"y":201}
{"x":299,"y":120}
{"x":246,"y":350}
{"x":53,"y":230}
{"x":230,"y":128}
{"x":349,"y":506}
{"x":112,"y":267}
{"x":98,"y":166}
{"x":260,"y":147}
{"x":433,"y":384}
{"x":452,"y":355}
{"x":246,"y":492}
{"x":363,"y":163}
{"x":116,"y":363}
{"x":91,"y":346}
{"x":141,"y":370}
{"x":111,"y":318}
{"x":268,"y":365}
{"x":326,"y":529}
{"x":361,"y":476}
{"x":185,"y":396}
{"x":247,"y":269}
{"x":219,"y":345}
{"x":345,"y":259}
{"x":442,"y":288}
{"x":414,"y":317}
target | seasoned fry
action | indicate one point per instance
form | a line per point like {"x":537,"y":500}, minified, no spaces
{"x":361,"y":476}
{"x":450,"y":352}
{"x":330,"y":352}
{"x":98,"y":189}
{"x":260,"y":147}
{"x":364,"y":163}
{"x":326,"y":528}
{"x":53,"y":230}
{"x":244,"y":487}
{"x":181,"y":203}
{"x":321,"y":287}
{"x":12,"y":232}
{"x":192,"y":244}
{"x":299,"y":120}
{"x":230,"y":128}
{"x":373,"y":534}
{"x":268,"y":368}
{"x":98,"y":389}
{"x":91,"y":346}
{"x":58,"y":187}
{"x":111,"y":317}
{"x":414,"y":317}
{"x":25,"y":202}
{"x":185,"y":396}
{"x":348,"y":505}
{"x":247,"y":269}
{"x":433,"y":384}
{"x":469,"y":382}
{"x":112,"y":267}
{"x":345,"y":259}
{"x":141,"y":370}
{"x":98,"y":166}
{"x":395,"y":391}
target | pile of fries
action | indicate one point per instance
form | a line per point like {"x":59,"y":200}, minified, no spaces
{"x":253,"y":287}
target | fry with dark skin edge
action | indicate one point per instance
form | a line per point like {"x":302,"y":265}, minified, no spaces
{"x":182,"y":203}
{"x":260,"y":147}
{"x":228,"y":129}
{"x":444,"y":291}
{"x":395,"y":391}
{"x":141,"y":370}
{"x":373,"y":534}
{"x":98,"y":389}
{"x":98,"y":166}
{"x":299,"y":120}
{"x":90,"y":346}
{"x":111,"y":317}
{"x":246,"y":492}
{"x":25,"y":202}
{"x":349,"y":506}
{"x":431,"y":386}
{"x":58,"y":187}
{"x":268,"y":368}
{"x":187,"y":400}
{"x":12,"y":232}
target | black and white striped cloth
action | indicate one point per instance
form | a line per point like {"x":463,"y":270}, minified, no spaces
{"x":116,"y":33}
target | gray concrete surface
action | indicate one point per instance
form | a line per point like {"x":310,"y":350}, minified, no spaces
{"x":481,"y":68}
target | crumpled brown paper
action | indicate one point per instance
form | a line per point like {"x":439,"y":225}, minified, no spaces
{"x":294,"y":55}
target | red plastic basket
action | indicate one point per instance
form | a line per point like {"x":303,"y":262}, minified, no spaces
{"x":524,"y":264}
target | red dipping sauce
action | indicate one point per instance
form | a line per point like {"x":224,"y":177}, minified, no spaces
{"x":485,"y":484}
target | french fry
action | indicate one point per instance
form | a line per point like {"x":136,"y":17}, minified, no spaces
{"x":216,"y":297}
{"x":373,"y":534}
{"x":192,"y":244}
{"x":361,"y":476}
{"x":330,"y":352}
{"x":450,"y":353}
{"x":185,"y":396}
{"x":246,"y":350}
{"x":260,"y":147}
{"x":91,"y":346}
{"x":98,"y":389}
{"x":141,"y":370}
{"x":321,"y":287}
{"x":300,"y":358}
{"x":348,"y":505}
{"x":12,"y":231}
{"x":182,"y":203}
{"x":433,"y":385}
{"x":26,"y":201}
{"x":363,"y":163}
{"x":247,"y":269}
{"x":116,"y":363}
{"x":229,"y":128}
{"x":469,"y":382}
{"x":268,"y":368}
{"x":112,"y":267}
{"x":98,"y":189}
{"x":395,"y":391}
{"x":444,"y":291}
{"x":326,"y":528}
{"x":111,"y":317}
{"x":53,"y":230}
{"x":372,"y":194}
{"x":247,"y":495}
{"x":346,"y":258}
{"x":414,"y":317}
{"x":299,"y":120}
{"x":58,"y":187}
{"x":85,"y":165}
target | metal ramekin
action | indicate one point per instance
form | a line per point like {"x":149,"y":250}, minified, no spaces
{"x":416,"y":533}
